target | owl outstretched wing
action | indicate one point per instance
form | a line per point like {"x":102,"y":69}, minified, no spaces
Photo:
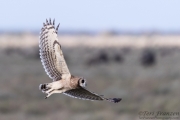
{"x":51,"y":54}
{"x":84,"y":94}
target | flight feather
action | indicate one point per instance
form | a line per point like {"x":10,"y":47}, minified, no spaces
{"x":51,"y":54}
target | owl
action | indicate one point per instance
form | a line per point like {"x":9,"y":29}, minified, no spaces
{"x":55,"y":66}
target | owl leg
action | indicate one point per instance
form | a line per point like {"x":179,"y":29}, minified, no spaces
{"x":51,"y":91}
{"x":51,"y":88}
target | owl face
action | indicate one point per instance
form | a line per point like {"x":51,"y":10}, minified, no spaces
{"x":82,"y":82}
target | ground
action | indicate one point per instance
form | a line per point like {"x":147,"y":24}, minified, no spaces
{"x":112,"y":66}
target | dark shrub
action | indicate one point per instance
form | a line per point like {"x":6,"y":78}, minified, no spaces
{"x":148,"y":57}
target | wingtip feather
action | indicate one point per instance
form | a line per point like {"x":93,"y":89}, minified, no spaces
{"x":44,"y":24}
{"x":54,"y":22}
{"x":50,"y":21}
{"x":47,"y":22}
{"x":115,"y":100}
{"x":57,"y":27}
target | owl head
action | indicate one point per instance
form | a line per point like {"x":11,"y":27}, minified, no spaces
{"x":82,"y":82}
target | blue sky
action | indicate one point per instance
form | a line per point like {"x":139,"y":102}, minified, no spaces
{"x":94,"y":15}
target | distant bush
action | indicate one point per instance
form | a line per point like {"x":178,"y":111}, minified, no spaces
{"x":118,"y":58}
{"x":102,"y":57}
{"x":148,"y":58}
{"x":31,"y":52}
{"x":105,"y":57}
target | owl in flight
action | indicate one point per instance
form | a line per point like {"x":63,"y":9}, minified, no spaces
{"x":56,"y":68}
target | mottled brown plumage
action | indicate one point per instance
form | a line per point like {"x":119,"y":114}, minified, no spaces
{"x":53,"y":61}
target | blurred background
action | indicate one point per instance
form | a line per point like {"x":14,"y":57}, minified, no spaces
{"x":128,"y":49}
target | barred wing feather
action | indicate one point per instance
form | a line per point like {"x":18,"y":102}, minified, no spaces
{"x":51,"y":54}
{"x":84,"y":94}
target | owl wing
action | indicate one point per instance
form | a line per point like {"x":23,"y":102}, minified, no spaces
{"x":84,"y":94}
{"x":51,"y":54}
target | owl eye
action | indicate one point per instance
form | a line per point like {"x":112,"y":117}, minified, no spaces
{"x":82,"y":81}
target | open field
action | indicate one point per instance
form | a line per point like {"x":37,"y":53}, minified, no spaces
{"x":112,"y":66}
